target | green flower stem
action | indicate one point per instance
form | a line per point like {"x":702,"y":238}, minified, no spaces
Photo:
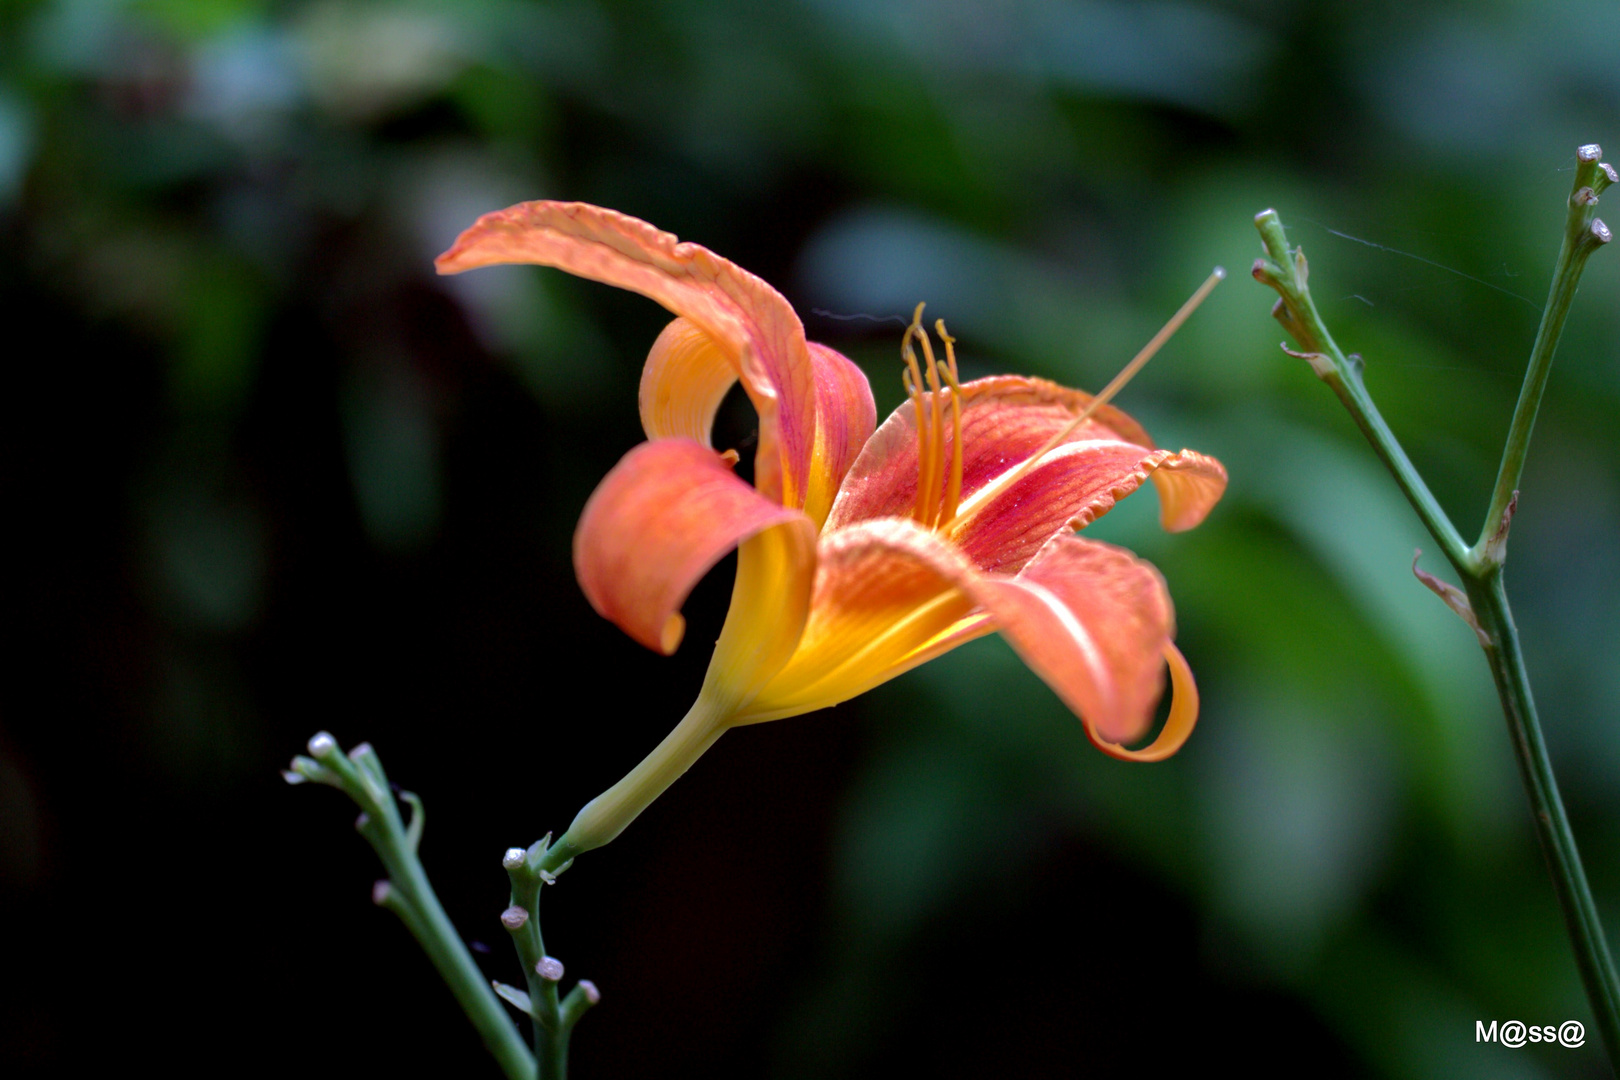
{"x":1480,"y":567}
{"x":554,"y":1019}
{"x":1490,"y":604}
{"x":1583,"y":234}
{"x":408,"y":893}
{"x":1287,"y":272}
{"x":605,"y":816}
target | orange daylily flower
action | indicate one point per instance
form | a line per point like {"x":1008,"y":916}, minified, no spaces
{"x":863,"y":551}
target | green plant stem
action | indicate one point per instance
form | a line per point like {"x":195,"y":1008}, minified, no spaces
{"x":1583,"y":234}
{"x":550,"y":1033}
{"x":408,"y":893}
{"x":438,"y":938}
{"x":1480,"y":568}
{"x":1489,"y":601}
{"x":1343,"y":374}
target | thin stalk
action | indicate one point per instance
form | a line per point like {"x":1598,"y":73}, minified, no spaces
{"x":550,"y":1037}
{"x":531,"y":871}
{"x":438,"y":938}
{"x":1584,"y":233}
{"x":1490,"y":604}
{"x":407,"y":892}
{"x":1288,"y":273}
{"x":1480,"y":567}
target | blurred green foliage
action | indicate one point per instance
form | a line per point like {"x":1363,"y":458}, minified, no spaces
{"x":250,"y":438}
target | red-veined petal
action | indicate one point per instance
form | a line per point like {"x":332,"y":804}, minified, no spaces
{"x":659,"y":520}
{"x":687,"y":376}
{"x":845,"y":418}
{"x":1092,"y":620}
{"x":1005,"y":419}
{"x":750,"y":321}
{"x":1073,"y":486}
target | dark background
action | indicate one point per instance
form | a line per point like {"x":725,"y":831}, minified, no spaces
{"x":263,"y":474}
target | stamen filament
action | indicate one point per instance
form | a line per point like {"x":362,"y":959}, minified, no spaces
{"x":953,"y":486}
{"x":912,"y":378}
{"x":936,"y":434}
{"x":1007,"y":479}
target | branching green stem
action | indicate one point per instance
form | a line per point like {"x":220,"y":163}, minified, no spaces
{"x":1480,"y":567}
{"x":1287,"y":272}
{"x":407,"y":893}
{"x":531,"y":871}
{"x":1584,"y":233}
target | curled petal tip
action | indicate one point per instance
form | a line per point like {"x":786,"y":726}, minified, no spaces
{"x":1178,"y":726}
{"x":656,"y":524}
{"x":669,"y":638}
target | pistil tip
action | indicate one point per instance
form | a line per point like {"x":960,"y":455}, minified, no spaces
{"x":1219,"y":273}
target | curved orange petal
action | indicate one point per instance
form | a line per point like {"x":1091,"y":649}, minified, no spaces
{"x":1092,"y":620}
{"x":884,"y":591}
{"x":683,"y":382}
{"x":1190,"y":484}
{"x":1178,"y":726}
{"x":687,"y":375}
{"x":1074,"y":485}
{"x":845,"y":418}
{"x":1005,"y":419}
{"x":747,"y":319}
{"x":658,"y":521}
